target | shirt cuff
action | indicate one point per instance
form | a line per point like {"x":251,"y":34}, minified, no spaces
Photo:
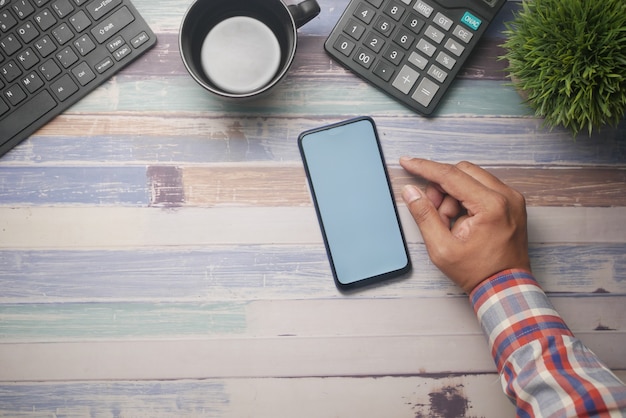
{"x":513,"y":310}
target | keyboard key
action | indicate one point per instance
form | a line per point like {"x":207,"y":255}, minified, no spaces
{"x":454,"y":47}
{"x":437,"y":73}
{"x":45,"y":20}
{"x":395,"y":11}
{"x":384,"y":70}
{"x":462,"y":34}
{"x":28,"y":59}
{"x":80,"y":21}
{"x":7,"y":21}
{"x":10,"y":45}
{"x":394,"y":54}
{"x":434,"y":34}
{"x":97,"y":9}
{"x":62,"y":8}
{"x":425,"y":92}
{"x":364,"y":13}
{"x":426,"y":47}
{"x":404,"y":39}
{"x":425,"y":9}
{"x":443,"y":21}
{"x":406,"y":79}
{"x":344,"y":45}
{"x":115,"y":43}
{"x":364,"y":57}
{"x":63,"y":34}
{"x":10,"y":71}
{"x":139,"y":40}
{"x":27,"y":32}
{"x":112,"y":24}
{"x":23,"y":8}
{"x":28,"y":113}
{"x":418,"y":60}
{"x":104,"y":65}
{"x":45,"y":46}
{"x":374,"y":42}
{"x":84,"y":45}
{"x":122,"y":53}
{"x":32,"y":82}
{"x":445,"y":60}
{"x":414,"y":23}
{"x":15,"y":94}
{"x":64,"y":87}
{"x":354,"y":29}
{"x":83,"y":74}
{"x":49,"y":69}
{"x":67,"y":57}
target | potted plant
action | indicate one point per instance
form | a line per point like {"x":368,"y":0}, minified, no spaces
{"x":568,"y":57}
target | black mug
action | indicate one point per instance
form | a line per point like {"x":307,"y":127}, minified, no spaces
{"x":241,"y":48}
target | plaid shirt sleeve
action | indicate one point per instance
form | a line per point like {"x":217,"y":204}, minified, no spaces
{"x":544,"y":369}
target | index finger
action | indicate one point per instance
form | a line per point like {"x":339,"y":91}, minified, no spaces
{"x":455,"y":182}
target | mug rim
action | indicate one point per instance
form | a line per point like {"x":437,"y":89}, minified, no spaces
{"x":254,"y":93}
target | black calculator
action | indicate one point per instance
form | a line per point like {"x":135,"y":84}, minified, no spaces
{"x":410,"y":49}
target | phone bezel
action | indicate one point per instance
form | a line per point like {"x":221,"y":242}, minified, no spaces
{"x":372,"y":279}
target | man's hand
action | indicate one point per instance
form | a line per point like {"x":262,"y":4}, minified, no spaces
{"x":473,"y":225}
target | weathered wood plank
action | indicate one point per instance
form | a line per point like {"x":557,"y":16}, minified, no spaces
{"x":201,"y":138}
{"x":221,"y":273}
{"x":284,"y":356}
{"x":417,"y":396}
{"x":357,"y":316}
{"x":270,"y":185}
{"x":115,"y":227}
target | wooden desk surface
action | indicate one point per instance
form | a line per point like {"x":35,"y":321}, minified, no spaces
{"x":160,"y":256}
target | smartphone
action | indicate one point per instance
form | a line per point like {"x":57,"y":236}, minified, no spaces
{"x":354,"y":202}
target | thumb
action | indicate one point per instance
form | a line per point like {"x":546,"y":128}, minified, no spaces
{"x":433,"y":230}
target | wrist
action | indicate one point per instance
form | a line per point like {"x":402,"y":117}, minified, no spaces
{"x":513,"y":310}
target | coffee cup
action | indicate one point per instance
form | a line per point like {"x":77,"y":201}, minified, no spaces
{"x":241,"y":48}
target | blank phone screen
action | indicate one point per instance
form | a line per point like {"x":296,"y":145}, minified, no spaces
{"x":354,"y":202}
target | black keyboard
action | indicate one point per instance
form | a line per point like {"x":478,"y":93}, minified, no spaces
{"x":55,"y":52}
{"x":410,"y":49}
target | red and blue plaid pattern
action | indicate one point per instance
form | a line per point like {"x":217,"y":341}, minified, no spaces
{"x":544,"y":369}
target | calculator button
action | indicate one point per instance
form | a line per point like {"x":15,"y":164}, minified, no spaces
{"x":423,"y":8}
{"x":418,"y":60}
{"x":443,"y":21}
{"x":434,"y":34}
{"x":437,"y":73}
{"x":344,"y":45}
{"x":374,"y":41}
{"x":445,"y":60}
{"x":425,"y":92}
{"x":471,"y":21}
{"x":364,"y":13}
{"x":407,"y":2}
{"x":383,"y":70}
{"x":354,"y":29}
{"x":414,"y":23}
{"x":364,"y":57}
{"x":426,"y":47}
{"x":404,"y":39}
{"x":394,"y":11}
{"x":454,"y":47}
{"x":384,"y":25}
{"x":462,"y":34}
{"x":405,"y":79}
{"x":394,"y":54}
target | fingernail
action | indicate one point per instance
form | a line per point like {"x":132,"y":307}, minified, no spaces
{"x":411,"y":193}
{"x":405,"y":158}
